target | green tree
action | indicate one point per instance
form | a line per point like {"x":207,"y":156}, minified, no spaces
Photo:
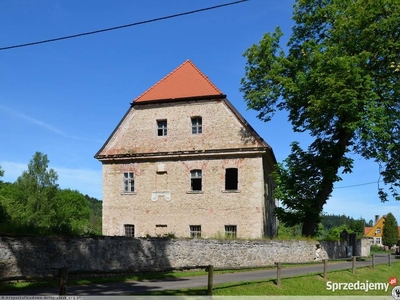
{"x":12,"y":200}
{"x":39,"y":187}
{"x":357,"y":226}
{"x":3,"y":213}
{"x":72,"y":213}
{"x":334,"y":232}
{"x":390,"y":233}
{"x":96,"y":208}
{"x":339,"y":81}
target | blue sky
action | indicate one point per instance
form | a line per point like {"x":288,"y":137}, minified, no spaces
{"x":65,"y":98}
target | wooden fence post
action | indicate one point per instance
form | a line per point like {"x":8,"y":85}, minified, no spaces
{"x":278,"y":273}
{"x":63,"y":274}
{"x":389,"y":262}
{"x":353,"y":264}
{"x":373,"y":261}
{"x":210,"y":280}
{"x":325,"y":268}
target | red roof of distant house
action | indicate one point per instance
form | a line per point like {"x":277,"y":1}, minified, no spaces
{"x":186,"y":81}
{"x":366,"y":230}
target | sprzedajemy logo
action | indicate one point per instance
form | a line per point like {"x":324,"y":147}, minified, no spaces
{"x":393,"y":281}
{"x":357,"y":286}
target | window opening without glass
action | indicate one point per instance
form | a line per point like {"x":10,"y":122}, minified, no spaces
{"x":231,"y":179}
{"x":195,"y":180}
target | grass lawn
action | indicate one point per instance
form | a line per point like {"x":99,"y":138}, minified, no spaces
{"x":312,"y":285}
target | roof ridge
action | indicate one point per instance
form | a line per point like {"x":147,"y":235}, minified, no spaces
{"x":162,"y":79}
{"x":212,"y":89}
{"x":202,"y":74}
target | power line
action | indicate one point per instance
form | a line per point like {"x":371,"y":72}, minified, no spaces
{"x":360,"y":184}
{"x":122,"y":26}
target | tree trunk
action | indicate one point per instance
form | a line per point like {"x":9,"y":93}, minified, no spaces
{"x":311,"y":219}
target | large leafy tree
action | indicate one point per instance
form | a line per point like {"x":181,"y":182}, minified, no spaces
{"x":390,"y":233}
{"x":72,"y":212}
{"x":39,"y":187}
{"x":339,"y":81}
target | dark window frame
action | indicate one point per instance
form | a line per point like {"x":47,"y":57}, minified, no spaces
{"x":162,"y":127}
{"x":196,"y":180}
{"x":128,"y":182}
{"x":197,"y":125}
{"x":195,"y":231}
{"x":231,"y":231}
{"x":129,"y":230}
{"x":231,"y":179}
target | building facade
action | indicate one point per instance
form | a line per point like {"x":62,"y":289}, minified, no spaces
{"x":184,"y":162}
{"x":375,"y":232}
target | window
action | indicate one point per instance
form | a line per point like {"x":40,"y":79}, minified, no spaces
{"x":231,"y":179}
{"x":378,"y":241}
{"x":378,"y":230}
{"x":197,"y":127}
{"x":129,"y":230}
{"x":161,"y":127}
{"x":230,"y":231}
{"x":195,"y":180}
{"x":129,"y":182}
{"x":195,"y":231}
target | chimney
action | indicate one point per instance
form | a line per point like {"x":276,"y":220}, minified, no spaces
{"x":376,"y":218}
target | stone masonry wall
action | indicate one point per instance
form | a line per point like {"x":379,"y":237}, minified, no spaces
{"x":339,"y":249}
{"x":163,"y":202}
{"x":23,"y":256}
{"x":34,"y":256}
{"x":212,"y":208}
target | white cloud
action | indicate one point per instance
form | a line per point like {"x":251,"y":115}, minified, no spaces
{"x":45,"y":125}
{"x":84,"y":180}
{"x":12,"y":170}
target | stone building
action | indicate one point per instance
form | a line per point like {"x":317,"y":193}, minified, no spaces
{"x":183,"y":161}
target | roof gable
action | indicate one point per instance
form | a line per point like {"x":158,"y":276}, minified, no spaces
{"x":186,"y":81}
{"x":373,"y":230}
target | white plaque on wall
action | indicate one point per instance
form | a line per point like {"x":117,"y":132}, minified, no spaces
{"x":165,"y":194}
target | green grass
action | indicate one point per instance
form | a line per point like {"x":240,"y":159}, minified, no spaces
{"x":16,"y":285}
{"x":311,"y":285}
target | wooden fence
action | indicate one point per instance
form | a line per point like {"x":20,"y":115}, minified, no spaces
{"x":63,"y":273}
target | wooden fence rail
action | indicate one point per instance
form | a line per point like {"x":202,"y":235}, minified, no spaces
{"x":63,"y":273}
{"x":325,"y":265}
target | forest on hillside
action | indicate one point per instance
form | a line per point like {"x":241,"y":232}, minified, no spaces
{"x":35,"y":205}
{"x":330,"y":227}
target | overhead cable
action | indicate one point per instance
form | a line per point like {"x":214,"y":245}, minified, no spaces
{"x":122,"y":26}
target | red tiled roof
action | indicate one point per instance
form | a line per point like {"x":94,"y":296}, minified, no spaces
{"x":367,"y":230}
{"x":186,"y":81}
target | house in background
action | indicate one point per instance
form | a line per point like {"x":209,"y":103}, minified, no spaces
{"x":375,"y":232}
{"x":183,"y":161}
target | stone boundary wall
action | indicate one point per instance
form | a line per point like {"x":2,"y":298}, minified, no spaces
{"x":35,"y":256}
{"x":339,"y":249}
